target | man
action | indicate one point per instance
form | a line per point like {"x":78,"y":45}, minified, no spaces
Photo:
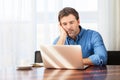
{"x":71,"y":33}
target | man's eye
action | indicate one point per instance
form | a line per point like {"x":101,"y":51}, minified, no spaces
{"x":71,"y":22}
{"x":64,"y":24}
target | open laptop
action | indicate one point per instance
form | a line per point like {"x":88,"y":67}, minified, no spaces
{"x":62,"y":56}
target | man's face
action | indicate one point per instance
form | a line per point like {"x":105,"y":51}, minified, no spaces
{"x":70,"y":25}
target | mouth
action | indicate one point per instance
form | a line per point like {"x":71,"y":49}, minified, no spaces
{"x":70,"y":31}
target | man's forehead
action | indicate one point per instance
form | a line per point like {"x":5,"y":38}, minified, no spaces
{"x":68,"y":18}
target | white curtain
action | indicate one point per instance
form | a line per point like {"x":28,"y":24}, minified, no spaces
{"x":109,"y":23}
{"x":17,"y":32}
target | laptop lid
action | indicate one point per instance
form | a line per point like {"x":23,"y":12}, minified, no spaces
{"x":62,"y":56}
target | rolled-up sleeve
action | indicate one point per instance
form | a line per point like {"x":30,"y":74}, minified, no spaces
{"x":55,"y":41}
{"x":100,"y":54}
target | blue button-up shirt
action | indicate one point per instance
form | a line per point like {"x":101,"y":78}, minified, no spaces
{"x":92,"y":46}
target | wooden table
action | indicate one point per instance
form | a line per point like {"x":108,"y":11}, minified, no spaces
{"x":109,"y":72}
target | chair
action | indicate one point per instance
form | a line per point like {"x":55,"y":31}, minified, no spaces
{"x":113,"y":58}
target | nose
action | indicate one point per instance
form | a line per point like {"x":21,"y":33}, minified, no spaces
{"x":69,"y":26}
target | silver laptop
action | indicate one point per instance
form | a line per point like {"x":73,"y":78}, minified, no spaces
{"x":62,"y":56}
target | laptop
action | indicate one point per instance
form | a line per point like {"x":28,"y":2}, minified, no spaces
{"x":62,"y":56}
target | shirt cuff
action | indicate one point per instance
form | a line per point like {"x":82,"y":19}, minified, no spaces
{"x":96,"y":60}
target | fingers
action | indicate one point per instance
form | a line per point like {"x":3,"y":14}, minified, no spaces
{"x":62,"y":30}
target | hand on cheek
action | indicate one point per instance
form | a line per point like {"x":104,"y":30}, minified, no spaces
{"x":62,"y":30}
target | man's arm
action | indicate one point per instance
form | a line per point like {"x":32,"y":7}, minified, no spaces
{"x":100,"y":54}
{"x":62,"y":37}
{"x":61,"y":40}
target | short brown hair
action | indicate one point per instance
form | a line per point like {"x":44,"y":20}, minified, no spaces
{"x":66,"y":11}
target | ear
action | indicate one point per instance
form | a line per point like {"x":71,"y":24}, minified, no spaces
{"x":78,"y":21}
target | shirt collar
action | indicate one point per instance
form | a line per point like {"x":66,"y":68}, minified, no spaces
{"x":81,"y":32}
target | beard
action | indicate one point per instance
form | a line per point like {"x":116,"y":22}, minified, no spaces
{"x":71,"y":33}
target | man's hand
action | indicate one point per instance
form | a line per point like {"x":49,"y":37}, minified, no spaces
{"x":62,"y":31}
{"x":63,"y":36}
{"x":87,"y":61}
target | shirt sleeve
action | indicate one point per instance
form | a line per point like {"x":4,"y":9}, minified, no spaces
{"x":100,"y":54}
{"x":55,"y":41}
